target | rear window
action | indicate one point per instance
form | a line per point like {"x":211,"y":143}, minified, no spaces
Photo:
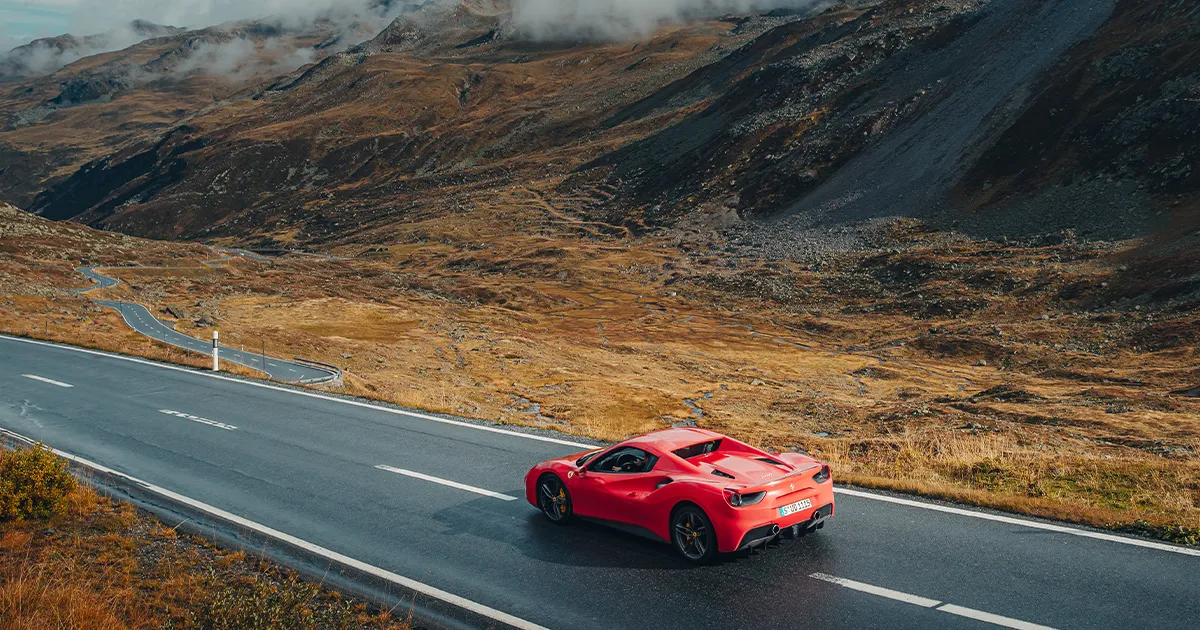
{"x":696,"y":450}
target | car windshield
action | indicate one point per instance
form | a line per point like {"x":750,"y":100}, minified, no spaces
{"x":586,"y":458}
{"x":624,"y":460}
{"x":695,"y":450}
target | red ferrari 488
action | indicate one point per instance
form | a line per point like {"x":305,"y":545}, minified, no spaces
{"x":703,"y":492}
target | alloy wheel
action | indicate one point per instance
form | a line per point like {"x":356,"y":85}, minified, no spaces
{"x":691,"y":530}
{"x":553,"y":499}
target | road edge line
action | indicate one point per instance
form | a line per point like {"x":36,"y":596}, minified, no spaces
{"x":356,"y":403}
{"x":299,"y":543}
{"x":1012,"y":520}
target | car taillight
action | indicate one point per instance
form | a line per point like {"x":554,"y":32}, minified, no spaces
{"x":822,"y":475}
{"x":742,"y":500}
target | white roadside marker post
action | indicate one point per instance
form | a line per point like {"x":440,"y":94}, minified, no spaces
{"x":216,"y":353}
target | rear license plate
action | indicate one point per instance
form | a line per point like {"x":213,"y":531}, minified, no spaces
{"x":790,"y":509}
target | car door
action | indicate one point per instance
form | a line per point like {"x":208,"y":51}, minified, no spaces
{"x":607,"y":489}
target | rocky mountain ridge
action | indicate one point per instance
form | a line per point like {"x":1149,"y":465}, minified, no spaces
{"x":997,"y":117}
{"x":48,"y":54}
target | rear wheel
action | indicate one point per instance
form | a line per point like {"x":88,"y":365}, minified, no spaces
{"x":693,"y":535}
{"x":554,"y":500}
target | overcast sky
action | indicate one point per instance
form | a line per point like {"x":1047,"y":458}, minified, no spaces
{"x":23,"y":20}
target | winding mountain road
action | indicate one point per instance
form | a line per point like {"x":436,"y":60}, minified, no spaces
{"x":435,"y":503}
{"x":140,"y":319}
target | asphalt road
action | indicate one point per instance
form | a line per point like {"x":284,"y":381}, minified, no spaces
{"x":141,"y":320}
{"x":308,"y":465}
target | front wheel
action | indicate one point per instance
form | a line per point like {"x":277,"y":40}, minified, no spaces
{"x":693,"y":535}
{"x":554,"y":500}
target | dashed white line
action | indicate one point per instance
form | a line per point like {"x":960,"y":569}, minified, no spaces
{"x":899,"y":596}
{"x":1138,"y":542}
{"x":404,"y":582}
{"x":47,"y":380}
{"x":188,"y":416}
{"x":986,"y":617}
{"x":1187,"y":551}
{"x":345,"y":401}
{"x":925,"y":602}
{"x":447,"y":482}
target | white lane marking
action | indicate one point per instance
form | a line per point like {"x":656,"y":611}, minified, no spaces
{"x":188,"y":416}
{"x":998,"y":620}
{"x":925,"y":602}
{"x":408,"y":583}
{"x":1062,"y":529}
{"x":916,"y":600}
{"x":478,"y":427}
{"x":1149,"y":544}
{"x":47,"y":380}
{"x":447,"y":482}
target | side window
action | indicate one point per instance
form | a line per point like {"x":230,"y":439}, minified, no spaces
{"x":624,"y":460}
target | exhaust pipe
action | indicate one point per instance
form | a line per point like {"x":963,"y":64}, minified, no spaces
{"x":774,"y":530}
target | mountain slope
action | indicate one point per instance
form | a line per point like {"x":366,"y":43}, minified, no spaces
{"x":920,"y":108}
{"x":381,"y":130}
{"x":52,"y":124}
{"x":44,"y":56}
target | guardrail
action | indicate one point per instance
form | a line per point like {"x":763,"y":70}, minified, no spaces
{"x":337,"y":372}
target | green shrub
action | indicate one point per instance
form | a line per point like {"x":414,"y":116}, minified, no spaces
{"x":34,"y":484}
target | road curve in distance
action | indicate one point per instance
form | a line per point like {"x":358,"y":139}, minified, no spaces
{"x":143,"y":321}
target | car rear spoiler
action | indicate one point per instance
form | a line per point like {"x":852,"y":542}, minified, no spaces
{"x":802,"y":470}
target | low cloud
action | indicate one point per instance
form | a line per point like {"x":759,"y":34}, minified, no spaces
{"x":238,"y":60}
{"x":225,"y":58}
{"x":47,"y":55}
{"x":269,"y":49}
{"x":351,"y":21}
{"x":90,"y":16}
{"x":627,"y":19}
{"x":132,"y":21}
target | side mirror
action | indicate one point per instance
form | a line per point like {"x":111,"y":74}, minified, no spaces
{"x":582,"y":472}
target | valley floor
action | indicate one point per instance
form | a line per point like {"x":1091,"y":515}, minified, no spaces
{"x":1023,"y":376}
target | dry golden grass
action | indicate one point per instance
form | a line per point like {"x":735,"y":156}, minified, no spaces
{"x":106,"y":331}
{"x":978,"y":381}
{"x":104,"y":566}
{"x":996,"y":471}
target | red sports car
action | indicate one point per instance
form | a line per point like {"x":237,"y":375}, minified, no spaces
{"x":703,"y":492}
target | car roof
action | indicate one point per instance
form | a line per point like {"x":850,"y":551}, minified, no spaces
{"x":672,"y":439}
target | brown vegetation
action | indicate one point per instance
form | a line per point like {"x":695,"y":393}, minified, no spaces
{"x":993,"y":373}
{"x":90,"y":563}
